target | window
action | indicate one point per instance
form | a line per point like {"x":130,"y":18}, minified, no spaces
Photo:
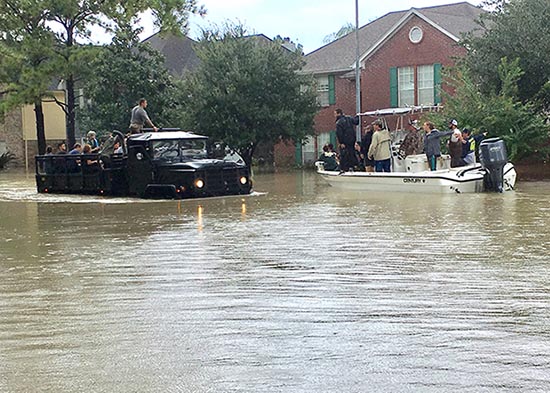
{"x":323,"y":90}
{"x":326,"y":90}
{"x":415,"y":85}
{"x":308,"y":151}
{"x":405,"y":78}
{"x":322,"y":140}
{"x":425,"y":79}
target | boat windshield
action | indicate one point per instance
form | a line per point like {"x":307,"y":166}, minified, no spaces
{"x":178,"y":150}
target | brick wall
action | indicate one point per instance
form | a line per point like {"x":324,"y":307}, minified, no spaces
{"x":12,"y":136}
{"x":324,"y":120}
{"x":345,"y":100}
{"x":399,"y":51}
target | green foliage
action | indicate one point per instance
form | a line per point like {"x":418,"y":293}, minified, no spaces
{"x":5,"y":158}
{"x":247,"y":91}
{"x":516,"y":29}
{"x":498,"y":113}
{"x":56,"y":34}
{"x":25,"y":53}
{"x":122,"y":76}
{"x":344,"y":30}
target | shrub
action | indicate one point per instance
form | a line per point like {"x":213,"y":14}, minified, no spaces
{"x":5,"y":158}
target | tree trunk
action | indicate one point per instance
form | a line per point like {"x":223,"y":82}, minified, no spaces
{"x":70,"y":116}
{"x":40,"y":129}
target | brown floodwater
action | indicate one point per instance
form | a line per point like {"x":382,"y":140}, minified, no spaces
{"x":297,"y":288}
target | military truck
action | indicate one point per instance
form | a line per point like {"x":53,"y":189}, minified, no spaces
{"x":172,"y":164}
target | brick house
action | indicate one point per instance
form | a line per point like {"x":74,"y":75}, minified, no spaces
{"x":402,"y":56}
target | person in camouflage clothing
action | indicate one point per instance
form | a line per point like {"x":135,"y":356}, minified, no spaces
{"x":413,"y":142}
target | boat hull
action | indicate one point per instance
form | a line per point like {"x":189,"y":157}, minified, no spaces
{"x":464,"y":180}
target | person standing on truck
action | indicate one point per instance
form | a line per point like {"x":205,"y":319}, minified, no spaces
{"x":140,"y":118}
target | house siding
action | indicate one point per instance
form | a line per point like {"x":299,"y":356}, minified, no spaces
{"x":398,"y":51}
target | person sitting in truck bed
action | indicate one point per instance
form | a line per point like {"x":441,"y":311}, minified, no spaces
{"x":73,"y":165}
{"x":89,"y":165}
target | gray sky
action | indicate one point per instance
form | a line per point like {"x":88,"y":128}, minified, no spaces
{"x":305,"y":21}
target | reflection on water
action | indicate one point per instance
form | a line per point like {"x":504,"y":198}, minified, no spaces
{"x":298,"y":289}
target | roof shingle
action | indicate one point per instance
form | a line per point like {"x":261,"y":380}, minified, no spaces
{"x":339,"y":55}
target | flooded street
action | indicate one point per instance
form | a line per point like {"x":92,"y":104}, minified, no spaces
{"x":298,"y":288}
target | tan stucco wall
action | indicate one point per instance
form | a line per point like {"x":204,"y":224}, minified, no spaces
{"x":54,"y":119}
{"x":18,"y":130}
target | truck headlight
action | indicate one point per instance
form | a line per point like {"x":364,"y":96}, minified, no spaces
{"x":199,"y":183}
{"x":243,"y":180}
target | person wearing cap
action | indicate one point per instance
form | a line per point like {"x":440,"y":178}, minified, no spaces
{"x":92,"y":141}
{"x":380,"y":148}
{"x":455,"y":145}
{"x":412,"y":143}
{"x":432,"y":143}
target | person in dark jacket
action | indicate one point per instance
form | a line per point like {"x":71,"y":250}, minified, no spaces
{"x":455,"y":145}
{"x":329,"y":159}
{"x":365,"y":145}
{"x":432,"y":143}
{"x":345,"y":134}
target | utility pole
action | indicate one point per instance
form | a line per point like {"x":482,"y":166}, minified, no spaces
{"x":357,"y":73}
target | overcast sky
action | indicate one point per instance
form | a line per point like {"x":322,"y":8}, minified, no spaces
{"x":304,"y":21}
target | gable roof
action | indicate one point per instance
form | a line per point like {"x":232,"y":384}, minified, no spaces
{"x":339,"y":56}
{"x":178,"y":52}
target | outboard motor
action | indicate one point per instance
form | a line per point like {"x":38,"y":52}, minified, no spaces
{"x":493,"y":157}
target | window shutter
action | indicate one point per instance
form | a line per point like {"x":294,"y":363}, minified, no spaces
{"x":298,"y":154}
{"x":333,"y":138}
{"x":331,"y":90}
{"x":394,"y":97}
{"x":437,"y":83}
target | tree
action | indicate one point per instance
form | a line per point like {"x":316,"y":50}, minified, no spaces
{"x":26,"y":59}
{"x":73,"y":20}
{"x":247,"y":91}
{"x":70,"y":22}
{"x":344,"y":30}
{"x":516,"y":29}
{"x":500,"y":114}
{"x":122,"y":75}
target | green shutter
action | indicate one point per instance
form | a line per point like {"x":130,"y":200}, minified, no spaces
{"x":437,"y":83}
{"x":394,"y":97}
{"x":331,"y":90}
{"x":298,"y":154}
{"x":333,"y":138}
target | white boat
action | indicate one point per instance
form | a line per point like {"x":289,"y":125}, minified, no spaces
{"x":412,"y":174}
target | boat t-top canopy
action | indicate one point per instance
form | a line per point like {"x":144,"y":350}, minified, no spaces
{"x":401,"y":111}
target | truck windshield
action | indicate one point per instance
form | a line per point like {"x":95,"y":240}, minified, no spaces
{"x":193,"y":148}
{"x":166,"y":150}
{"x":179,"y":150}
